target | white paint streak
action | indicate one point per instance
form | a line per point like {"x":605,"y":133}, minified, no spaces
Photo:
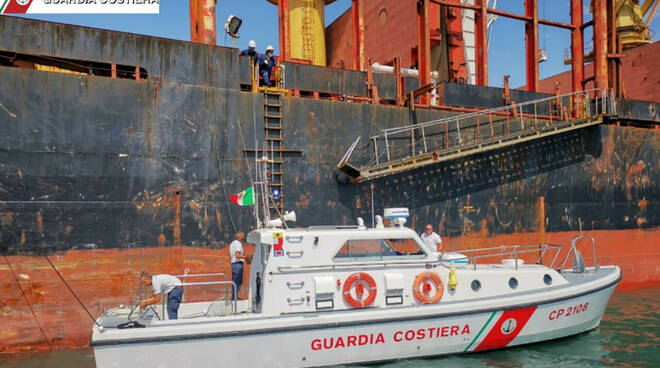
{"x":7,"y":111}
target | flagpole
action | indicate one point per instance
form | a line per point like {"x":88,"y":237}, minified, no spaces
{"x":256,"y":187}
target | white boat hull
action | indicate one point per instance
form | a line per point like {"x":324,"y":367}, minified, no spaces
{"x":408,"y":337}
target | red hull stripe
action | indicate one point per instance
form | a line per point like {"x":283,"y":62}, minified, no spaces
{"x":507,"y":327}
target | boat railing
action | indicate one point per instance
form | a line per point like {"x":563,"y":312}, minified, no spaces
{"x":229,"y":285}
{"x":163,"y":296}
{"x":512,"y":252}
{"x":186,"y":274}
{"x":473,"y":255}
{"x":577,"y":255}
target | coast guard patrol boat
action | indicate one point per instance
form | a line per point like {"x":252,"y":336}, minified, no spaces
{"x":348,"y":294}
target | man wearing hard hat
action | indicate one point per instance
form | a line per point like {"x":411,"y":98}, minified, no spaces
{"x":251,"y":51}
{"x":266,"y":64}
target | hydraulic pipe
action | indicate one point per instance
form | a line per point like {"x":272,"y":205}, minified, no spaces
{"x":502,"y":13}
{"x":481,"y":42}
{"x":285,"y":29}
{"x":532,"y":45}
{"x":202,"y":21}
{"x":359,"y":58}
{"x":423,"y":46}
{"x":577,"y":52}
{"x":600,"y":43}
{"x":387,"y":69}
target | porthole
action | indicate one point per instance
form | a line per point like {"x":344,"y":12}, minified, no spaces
{"x":476,"y":285}
{"x":513,"y":283}
{"x":547,"y":279}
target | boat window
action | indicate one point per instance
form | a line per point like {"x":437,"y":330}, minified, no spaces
{"x":547,"y":279}
{"x":362,"y":249}
{"x":476,"y":285}
{"x":513,"y":283}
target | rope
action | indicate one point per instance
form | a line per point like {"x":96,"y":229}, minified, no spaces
{"x":26,"y":301}
{"x":214,"y":145}
{"x":71,"y":290}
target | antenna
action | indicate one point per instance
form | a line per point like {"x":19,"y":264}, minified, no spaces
{"x":580,"y":225}
{"x":373,"y":219}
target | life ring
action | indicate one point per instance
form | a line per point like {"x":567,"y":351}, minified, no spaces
{"x":422,"y":287}
{"x":361,"y":281}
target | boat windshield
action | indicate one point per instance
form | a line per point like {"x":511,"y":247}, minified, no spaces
{"x":377,"y":249}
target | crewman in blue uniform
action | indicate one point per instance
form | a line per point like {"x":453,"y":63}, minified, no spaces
{"x":266,"y":64}
{"x":251,"y":51}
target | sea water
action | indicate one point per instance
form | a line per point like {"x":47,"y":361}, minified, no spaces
{"x":628,"y":336}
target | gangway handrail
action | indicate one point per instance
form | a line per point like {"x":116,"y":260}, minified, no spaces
{"x":390,"y":131}
{"x":404,"y":145}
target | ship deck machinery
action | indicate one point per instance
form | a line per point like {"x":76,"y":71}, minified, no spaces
{"x":118,"y":150}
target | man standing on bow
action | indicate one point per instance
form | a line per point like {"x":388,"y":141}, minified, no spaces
{"x":431,"y":239}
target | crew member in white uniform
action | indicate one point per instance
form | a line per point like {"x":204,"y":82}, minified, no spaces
{"x":430,"y":238}
{"x":163,"y":284}
{"x":237,"y":258}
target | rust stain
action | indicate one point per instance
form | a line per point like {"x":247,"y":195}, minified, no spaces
{"x":20,"y":174}
{"x":173,"y":199}
{"x":637,"y":168}
{"x":195,"y":206}
{"x":218,"y":219}
{"x":68,"y":229}
{"x":303,"y":200}
{"x":40,"y":222}
{"x":7,"y":218}
{"x":643,"y":204}
{"x":484,"y":228}
{"x":22,"y":242}
{"x":161,"y":240}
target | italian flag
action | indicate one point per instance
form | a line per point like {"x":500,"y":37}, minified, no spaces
{"x":244,"y":198}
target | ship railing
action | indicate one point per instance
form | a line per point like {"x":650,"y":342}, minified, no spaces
{"x":485,"y":127}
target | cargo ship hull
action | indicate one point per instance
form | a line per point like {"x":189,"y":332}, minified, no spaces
{"x":111,"y":175}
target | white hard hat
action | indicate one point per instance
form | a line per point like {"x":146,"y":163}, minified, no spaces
{"x":252,"y":43}
{"x":270,"y":48}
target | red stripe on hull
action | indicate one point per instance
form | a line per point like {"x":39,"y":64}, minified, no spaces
{"x":507,"y":327}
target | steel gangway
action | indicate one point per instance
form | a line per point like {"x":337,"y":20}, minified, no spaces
{"x":399,"y":149}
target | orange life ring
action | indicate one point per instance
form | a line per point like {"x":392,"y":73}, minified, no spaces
{"x":361,"y":281}
{"x":422,"y":287}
